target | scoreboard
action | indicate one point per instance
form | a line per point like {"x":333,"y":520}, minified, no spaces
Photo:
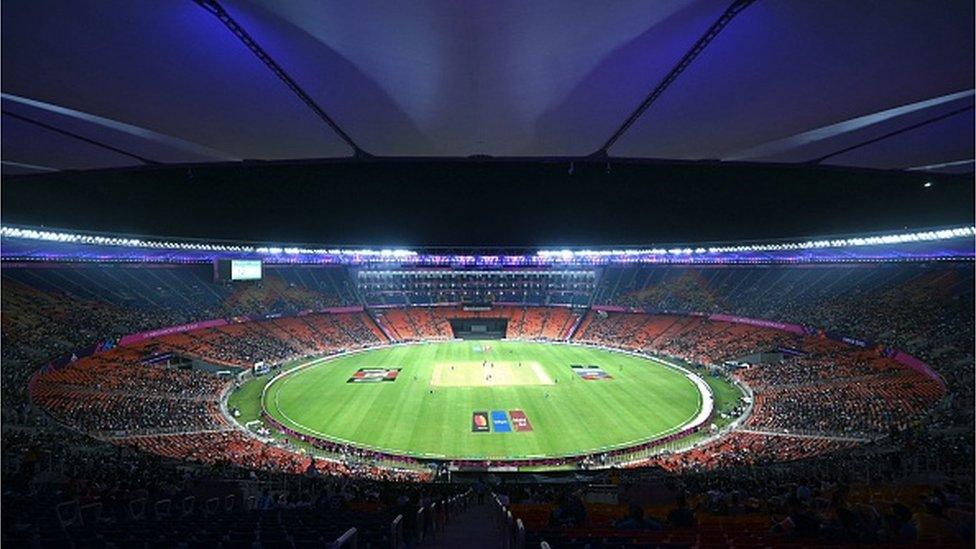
{"x":479,"y":328}
{"x":237,"y":269}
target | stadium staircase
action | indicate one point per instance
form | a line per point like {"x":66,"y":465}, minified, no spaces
{"x":815,"y":436}
{"x":577,"y":321}
{"x":475,"y":528}
{"x":381,"y":325}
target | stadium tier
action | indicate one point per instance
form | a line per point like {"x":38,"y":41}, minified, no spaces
{"x":406,"y":374}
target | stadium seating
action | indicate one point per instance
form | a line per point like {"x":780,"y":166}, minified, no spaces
{"x":916,"y":307}
{"x":823,"y":407}
{"x":433,"y":323}
{"x":831,"y":390}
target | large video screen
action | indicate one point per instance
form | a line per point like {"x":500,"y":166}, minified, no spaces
{"x":238,"y":269}
{"x":245,"y":270}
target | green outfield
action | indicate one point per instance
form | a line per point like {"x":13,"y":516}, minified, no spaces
{"x":485,"y":399}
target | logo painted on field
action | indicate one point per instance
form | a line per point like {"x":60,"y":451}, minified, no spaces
{"x":374,"y":375}
{"x":499,"y":422}
{"x":590,"y":372}
{"x":479,"y":422}
{"x":520,"y":420}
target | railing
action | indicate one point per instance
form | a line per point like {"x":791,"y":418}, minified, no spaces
{"x":396,"y":532}
{"x":349,"y":540}
{"x":512,"y":529}
{"x":431,"y":520}
{"x":421,"y":523}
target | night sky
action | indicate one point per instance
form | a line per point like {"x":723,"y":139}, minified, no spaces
{"x":472,"y":203}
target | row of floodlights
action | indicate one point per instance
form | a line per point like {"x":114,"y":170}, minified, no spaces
{"x":544,"y":255}
{"x":924,"y":236}
{"x":473,"y":274}
{"x":72,"y":238}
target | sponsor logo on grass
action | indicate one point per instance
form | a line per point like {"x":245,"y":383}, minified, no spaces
{"x":479,"y":422}
{"x":520,"y":420}
{"x":499,"y":422}
{"x":590,"y":372}
{"x":374,"y":375}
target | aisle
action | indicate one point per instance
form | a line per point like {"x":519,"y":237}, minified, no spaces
{"x":475,"y":529}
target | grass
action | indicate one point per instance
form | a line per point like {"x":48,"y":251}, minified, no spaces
{"x":247,"y":399}
{"x":727,"y":397}
{"x":569,"y":415}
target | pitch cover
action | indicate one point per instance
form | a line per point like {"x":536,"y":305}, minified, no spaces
{"x":479,"y":422}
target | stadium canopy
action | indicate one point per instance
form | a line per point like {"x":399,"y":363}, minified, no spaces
{"x":89,"y":84}
{"x":35,"y":244}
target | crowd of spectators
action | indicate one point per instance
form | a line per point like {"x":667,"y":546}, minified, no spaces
{"x":823,"y":363}
{"x":837,"y":392}
{"x":806,"y":384}
{"x":744,"y":448}
{"x":90,"y":493}
{"x":50,"y":313}
{"x":433,"y":323}
{"x":120,"y":371}
{"x":281,"y":293}
{"x":133,"y":396}
{"x":100,"y":413}
{"x":926,"y":310}
{"x":790,"y":394}
{"x":231,"y":447}
{"x":242,"y":345}
{"x":862,"y":408}
{"x":850,"y":496}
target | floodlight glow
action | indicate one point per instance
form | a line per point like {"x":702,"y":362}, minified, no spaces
{"x":741,"y":253}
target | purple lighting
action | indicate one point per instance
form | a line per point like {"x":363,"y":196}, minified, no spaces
{"x":29,"y":244}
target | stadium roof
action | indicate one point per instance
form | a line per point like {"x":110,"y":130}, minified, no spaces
{"x":90,"y":84}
